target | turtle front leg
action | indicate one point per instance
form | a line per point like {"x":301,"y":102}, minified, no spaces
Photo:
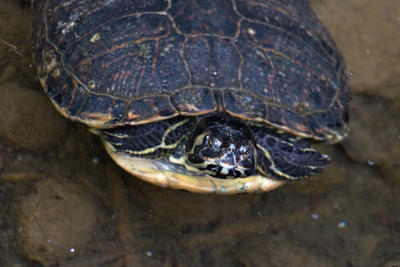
{"x":149,"y":141}
{"x":286,"y":158}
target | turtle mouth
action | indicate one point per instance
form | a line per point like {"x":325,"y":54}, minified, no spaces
{"x":223,"y":172}
{"x":227,"y":166}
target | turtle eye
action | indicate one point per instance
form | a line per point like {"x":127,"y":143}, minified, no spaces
{"x":213,"y":142}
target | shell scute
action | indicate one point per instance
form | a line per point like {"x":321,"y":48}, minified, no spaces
{"x":213,"y":62}
{"x":194,"y":100}
{"x":150,"y":109}
{"x":242,"y":104}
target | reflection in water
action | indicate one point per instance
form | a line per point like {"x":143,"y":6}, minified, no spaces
{"x":62,"y":200}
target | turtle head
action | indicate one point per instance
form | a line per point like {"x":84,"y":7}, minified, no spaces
{"x":223,"y":147}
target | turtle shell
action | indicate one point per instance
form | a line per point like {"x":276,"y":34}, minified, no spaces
{"x":111,"y":63}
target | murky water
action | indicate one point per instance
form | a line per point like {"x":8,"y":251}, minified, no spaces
{"x":63,"y":202}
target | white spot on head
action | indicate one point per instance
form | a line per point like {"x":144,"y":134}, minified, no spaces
{"x":243,"y":149}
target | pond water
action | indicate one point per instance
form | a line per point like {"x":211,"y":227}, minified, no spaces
{"x":63,"y":202}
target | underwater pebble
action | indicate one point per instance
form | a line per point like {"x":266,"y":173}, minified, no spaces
{"x":95,"y":160}
{"x":315,"y":216}
{"x":337,"y":206}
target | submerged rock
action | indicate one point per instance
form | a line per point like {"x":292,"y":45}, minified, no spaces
{"x":56,"y":222}
{"x":28,"y":120}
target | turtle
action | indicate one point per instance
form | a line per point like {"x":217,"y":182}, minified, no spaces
{"x":209,"y":96}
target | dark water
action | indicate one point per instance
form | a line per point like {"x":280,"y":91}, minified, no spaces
{"x":63,"y":202}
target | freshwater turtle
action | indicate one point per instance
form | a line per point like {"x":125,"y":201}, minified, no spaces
{"x":219,"y":96}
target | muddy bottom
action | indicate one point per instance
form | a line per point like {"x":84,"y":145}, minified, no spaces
{"x":63,"y":202}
